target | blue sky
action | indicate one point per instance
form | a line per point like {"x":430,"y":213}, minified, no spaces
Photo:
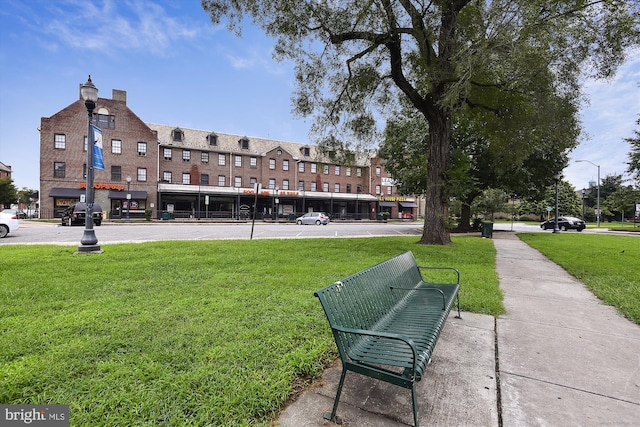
{"x":178,"y":69}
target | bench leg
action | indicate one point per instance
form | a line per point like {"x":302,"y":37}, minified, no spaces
{"x":332,"y":417}
{"x":458,"y":301}
{"x":415,"y":405}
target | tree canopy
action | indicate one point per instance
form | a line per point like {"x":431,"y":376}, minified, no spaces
{"x":358,"y":61}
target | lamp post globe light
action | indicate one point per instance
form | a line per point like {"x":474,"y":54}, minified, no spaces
{"x":598,"y":166}
{"x":128,"y":198}
{"x":555,"y":226}
{"x":89,"y":241}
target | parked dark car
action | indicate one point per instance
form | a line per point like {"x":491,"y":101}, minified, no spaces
{"x":74,"y":214}
{"x":564,"y":223}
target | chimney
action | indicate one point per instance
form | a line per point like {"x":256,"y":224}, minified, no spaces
{"x":119,"y":95}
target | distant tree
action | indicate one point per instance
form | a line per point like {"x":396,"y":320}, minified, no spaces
{"x":622,"y":201}
{"x":356,"y":58}
{"x":8,"y":192}
{"x":569,"y":201}
{"x":634,"y":154}
{"x":492,"y":201}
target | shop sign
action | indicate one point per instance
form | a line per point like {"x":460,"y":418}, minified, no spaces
{"x":102,"y":186}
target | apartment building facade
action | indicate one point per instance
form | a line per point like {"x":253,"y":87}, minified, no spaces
{"x":201,"y":174}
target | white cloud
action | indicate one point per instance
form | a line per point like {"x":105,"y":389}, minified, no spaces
{"x":608,"y":120}
{"x":111,"y":26}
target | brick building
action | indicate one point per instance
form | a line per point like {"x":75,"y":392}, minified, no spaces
{"x":185,"y":173}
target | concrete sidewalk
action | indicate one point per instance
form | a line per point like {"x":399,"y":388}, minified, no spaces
{"x":561,"y":359}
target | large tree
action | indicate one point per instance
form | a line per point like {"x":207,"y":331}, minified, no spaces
{"x":354,"y":56}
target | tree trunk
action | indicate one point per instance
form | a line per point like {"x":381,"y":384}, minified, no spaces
{"x":436,"y":227}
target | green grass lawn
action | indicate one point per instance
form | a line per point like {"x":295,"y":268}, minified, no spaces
{"x":608,"y":265}
{"x":189,"y":333}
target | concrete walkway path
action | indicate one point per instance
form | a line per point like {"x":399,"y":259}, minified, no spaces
{"x":565,"y":359}
{"x":559,"y":357}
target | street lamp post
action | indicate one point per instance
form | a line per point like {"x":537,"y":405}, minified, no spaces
{"x":583,"y":194}
{"x":598,"y":166}
{"x":128,"y":198}
{"x":555,"y":226}
{"x":89,"y":241}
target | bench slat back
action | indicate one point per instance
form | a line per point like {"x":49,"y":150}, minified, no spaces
{"x":361,"y":300}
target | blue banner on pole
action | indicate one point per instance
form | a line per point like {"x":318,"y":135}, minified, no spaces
{"x":98,"y":159}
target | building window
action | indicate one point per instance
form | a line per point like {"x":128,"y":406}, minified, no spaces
{"x":348,"y":188}
{"x":336,"y":188}
{"x":272,"y":164}
{"x":300,"y":185}
{"x":272,"y":183}
{"x":348,"y":171}
{"x":167,"y":153}
{"x":378,"y":171}
{"x":116,"y":146}
{"x":116,"y":173}
{"x":166,"y":176}
{"x":204,"y":157}
{"x":325,"y":169}
{"x":389,"y":191}
{"x":314,"y":168}
{"x":104,"y":121}
{"x":213,"y":139}
{"x":285,"y":165}
{"x":186,"y":155}
{"x":59,"y":170}
{"x":238,"y":161}
{"x":222,"y":160}
{"x":314,"y":186}
{"x":252,"y":182}
{"x":142,"y":174}
{"x":204,"y":179}
{"x":377,"y":189}
{"x":59,"y":141}
{"x":325,"y":187}
{"x":177,"y":135}
{"x":358,"y":172}
{"x":186,"y":178}
{"x":142,"y":148}
{"x":306,"y":151}
{"x":244,"y":143}
{"x":285,"y":184}
{"x":301,"y":167}
{"x":85,"y":144}
{"x":337,"y":170}
{"x":359,"y":188}
{"x":237,"y":182}
{"x":84,"y":170}
{"x":222,"y":181}
{"x":253,"y":162}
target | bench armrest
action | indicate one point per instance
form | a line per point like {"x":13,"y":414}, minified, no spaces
{"x":443,"y":268}
{"x":380,"y":334}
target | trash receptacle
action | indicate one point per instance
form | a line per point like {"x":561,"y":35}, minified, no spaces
{"x":165,"y":215}
{"x":292,"y":217}
{"x":487,"y":230}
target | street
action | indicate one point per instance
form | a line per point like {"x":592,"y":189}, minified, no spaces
{"x":35,"y":232}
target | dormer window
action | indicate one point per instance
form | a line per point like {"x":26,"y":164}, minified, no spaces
{"x":213,"y":139}
{"x":177,"y":135}
{"x":244,"y":143}
{"x":306,"y":151}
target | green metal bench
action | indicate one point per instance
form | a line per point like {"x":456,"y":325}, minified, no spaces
{"x":386,"y":321}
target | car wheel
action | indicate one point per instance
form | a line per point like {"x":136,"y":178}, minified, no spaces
{"x":299,"y":222}
{"x":563,"y":228}
{"x":4,"y":230}
{"x":62,"y":221}
{"x":318,"y":222}
{"x":580,"y":229}
{"x":98,"y":223}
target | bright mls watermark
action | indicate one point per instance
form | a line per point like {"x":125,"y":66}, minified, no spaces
{"x":34,"y":415}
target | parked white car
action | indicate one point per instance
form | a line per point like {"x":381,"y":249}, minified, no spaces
{"x":8,"y":222}
{"x":313,"y":218}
